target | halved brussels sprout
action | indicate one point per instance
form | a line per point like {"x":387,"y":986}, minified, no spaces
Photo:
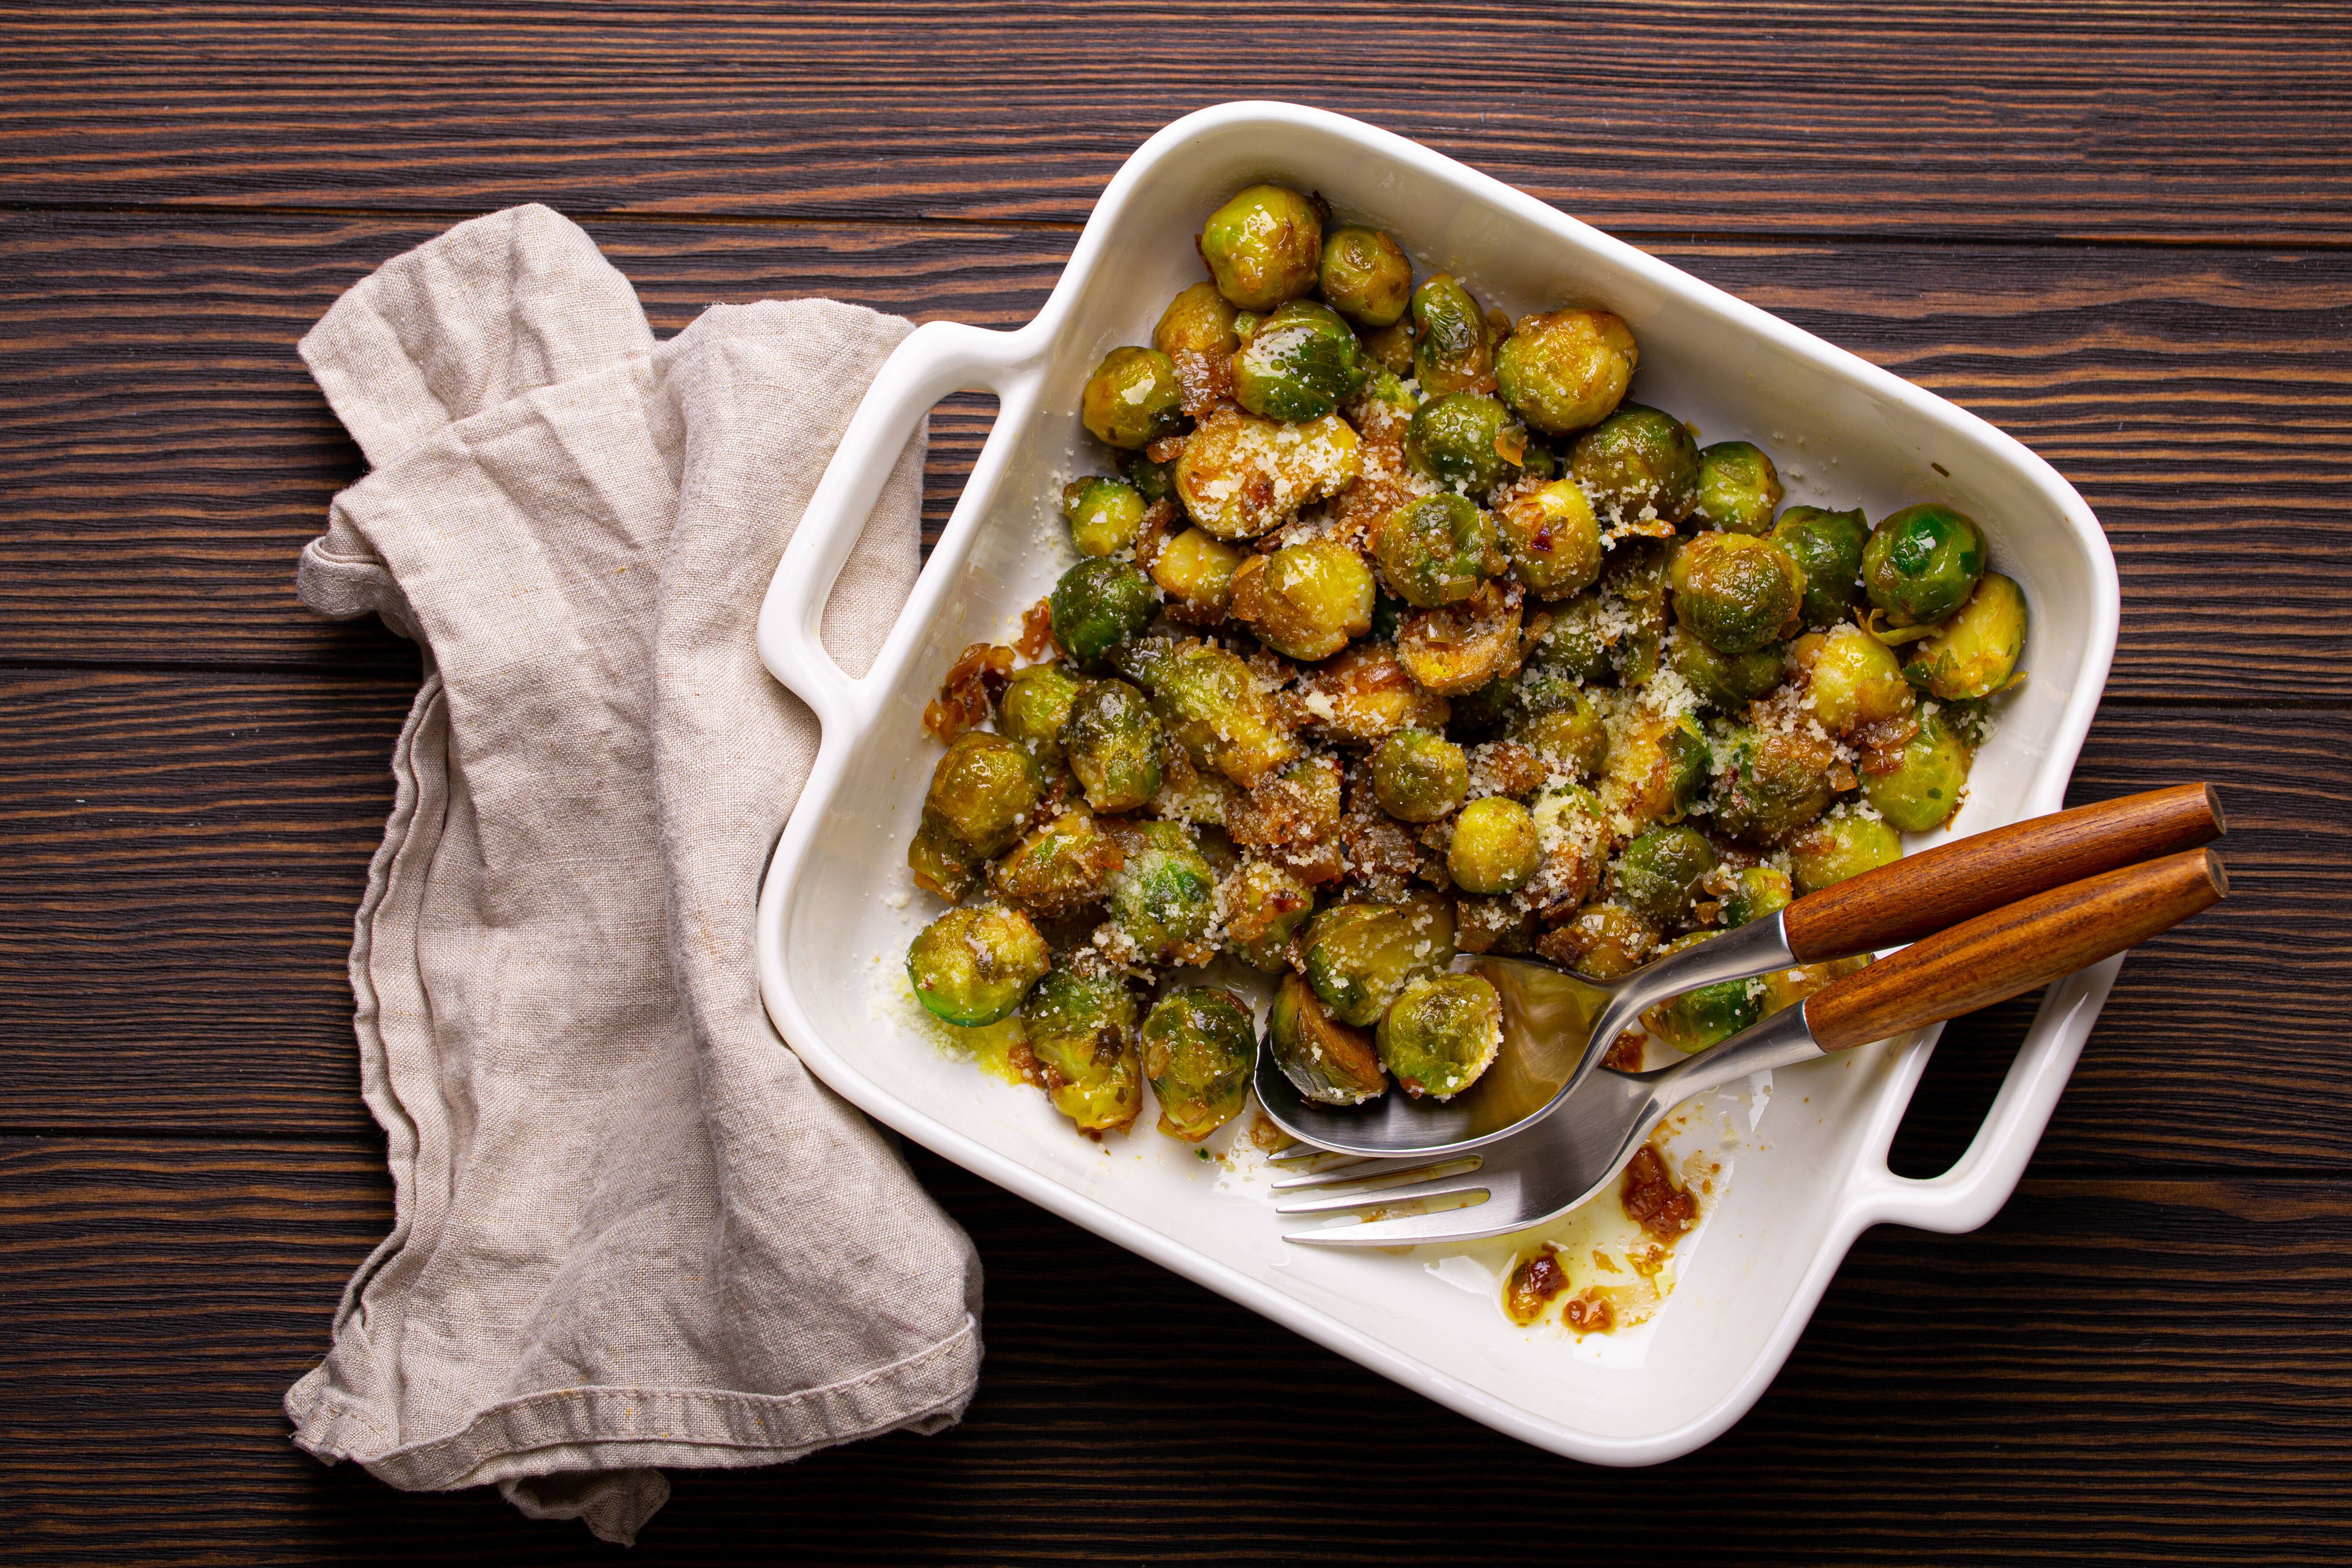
{"x":1104,"y":515}
{"x":1163,"y":899}
{"x":1305,"y":601}
{"x":1739,"y":488}
{"x":1436,"y":551}
{"x":1827,"y":545}
{"x":1842,"y":845}
{"x":1574,"y":841}
{"x":1552,"y":539}
{"x":1098,"y":605}
{"x":943,"y":864}
{"x":1441,"y":1034}
{"x":1748,"y":893}
{"x":1452,"y":345}
{"x":1658,"y":874}
{"x":1727,"y":680}
{"x":1658,"y":766}
{"x":1921,"y":788}
{"x":1856,"y":683}
{"x":1199,"y":1045}
{"x":1462,"y":646}
{"x":1263,"y":247}
{"x":1736,"y":592}
{"x":1060,"y":869}
{"x":1921,"y":562}
{"x":1974,"y":652}
{"x":1035,"y":705}
{"x":1771,"y":783}
{"x":1495,"y":847}
{"x":1561,"y":721}
{"x":1365,"y":274}
{"x":1364,"y":694}
{"x":984,"y":788}
{"x":1215,"y":709}
{"x":974,"y":965}
{"x":1265,"y":904}
{"x":1707,"y":1016}
{"x":1241,"y":477}
{"x":1564,"y":370}
{"x":1301,"y":363}
{"x":1133,"y":399}
{"x":1459,"y":439}
{"x":1325,"y":1060}
{"x":1639,"y":466}
{"x":1112,"y":742}
{"x":1082,"y":1032}
{"x":1358,"y":957}
{"x":1606,"y":940}
{"x":1419,"y":777}
{"x":1196,"y":573}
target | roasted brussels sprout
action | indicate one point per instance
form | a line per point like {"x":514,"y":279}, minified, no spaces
{"x":1104,"y":515}
{"x":1633,"y":596}
{"x":1462,"y":646}
{"x":1452,"y":345}
{"x":1153,"y":481}
{"x":1196,"y":573}
{"x":1736,"y":592}
{"x":1493,"y":925}
{"x":1060,"y":869}
{"x":1214,"y":707}
{"x":1263,"y":247}
{"x":1576,"y":644}
{"x":1199,"y":1044}
{"x":1856,"y":683}
{"x":1974,"y":652}
{"x":1241,"y":476}
{"x":1419,"y":777}
{"x":1305,"y":601}
{"x":1133,"y":399}
{"x":1827,"y":545}
{"x":1199,"y":320}
{"x":1441,"y":1034}
{"x":1784,"y":988}
{"x":1770,"y":783}
{"x":1391,"y":348}
{"x":1921,"y":562}
{"x":943,"y":864}
{"x":1561,"y":722}
{"x":1436,"y":551}
{"x":1265,"y":904}
{"x":1657,"y":765}
{"x":1726,"y":680}
{"x":1552,"y":539}
{"x":1842,"y":845}
{"x":1035,"y":705}
{"x":1364,"y":694}
{"x":1639,"y":466}
{"x":1708,"y":1016}
{"x":1082,"y":1032}
{"x":1098,"y":605}
{"x":1112,"y":742}
{"x":1365,"y":274}
{"x":1301,"y":363}
{"x":1495,"y":847}
{"x":1606,"y":940}
{"x":1163,"y":897}
{"x":1460,"y":438}
{"x":1325,"y":1060}
{"x":1564,"y":370}
{"x":1358,"y":957}
{"x":974,"y":965}
{"x":1739,"y":488}
{"x":984,"y":788}
{"x":1920,"y":788}
{"x":1748,"y":893}
{"x":1658,"y":874}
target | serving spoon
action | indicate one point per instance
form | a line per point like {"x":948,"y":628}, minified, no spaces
{"x":1558,"y":1023}
{"x":1554,"y":1167}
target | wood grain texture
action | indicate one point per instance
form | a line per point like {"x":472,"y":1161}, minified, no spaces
{"x":153,"y":411}
{"x":2132,"y":120}
{"x":161,"y":1294}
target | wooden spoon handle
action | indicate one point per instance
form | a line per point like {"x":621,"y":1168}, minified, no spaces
{"x":2011,"y":950}
{"x":1968,"y":877}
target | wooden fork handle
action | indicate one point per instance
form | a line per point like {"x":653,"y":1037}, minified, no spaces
{"x":1968,"y":877}
{"x":2011,"y":950}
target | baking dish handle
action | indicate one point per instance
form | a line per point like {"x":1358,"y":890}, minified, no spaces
{"x":933,"y":361}
{"x":1976,"y":1187}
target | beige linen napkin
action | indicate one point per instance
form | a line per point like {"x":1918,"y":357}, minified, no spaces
{"x":632,"y":1230}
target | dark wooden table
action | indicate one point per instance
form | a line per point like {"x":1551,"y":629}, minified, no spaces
{"x":2120,"y":232}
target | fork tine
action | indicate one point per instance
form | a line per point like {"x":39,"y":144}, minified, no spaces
{"x":1411,"y":1230}
{"x":1382,"y":1197}
{"x":1367,"y":1170}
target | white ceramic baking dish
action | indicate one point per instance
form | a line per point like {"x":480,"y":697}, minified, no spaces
{"x":835,"y":911}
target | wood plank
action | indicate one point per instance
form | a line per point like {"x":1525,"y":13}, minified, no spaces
{"x":164,"y":456}
{"x":2161,"y":1356}
{"x":2219,"y":123}
{"x":186,"y":850}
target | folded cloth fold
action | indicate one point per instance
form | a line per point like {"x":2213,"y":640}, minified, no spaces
{"x":631,"y":1229}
